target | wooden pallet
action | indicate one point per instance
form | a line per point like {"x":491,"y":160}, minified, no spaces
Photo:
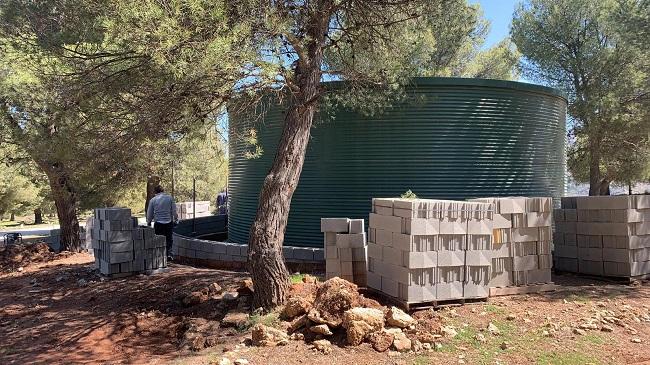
{"x":412,"y":306}
{"x":524,"y":289}
{"x":609,"y":279}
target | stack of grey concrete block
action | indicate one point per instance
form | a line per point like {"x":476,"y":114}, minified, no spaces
{"x":522,"y":240}
{"x":186,"y":210}
{"x":423,"y":250}
{"x":121,"y":248}
{"x":603,"y":235}
{"x":196,"y":248}
{"x":345,"y":249}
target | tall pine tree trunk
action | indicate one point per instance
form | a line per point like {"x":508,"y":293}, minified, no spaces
{"x":66,"y":202}
{"x":38,"y":216}
{"x":266,"y":263}
{"x":152,"y":182}
{"x":12,"y":216}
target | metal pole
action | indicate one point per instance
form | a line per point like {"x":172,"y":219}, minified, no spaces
{"x":194,"y":205}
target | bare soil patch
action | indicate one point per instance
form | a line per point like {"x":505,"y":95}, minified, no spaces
{"x":60,"y":311}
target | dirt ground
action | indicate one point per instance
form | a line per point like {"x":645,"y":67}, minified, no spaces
{"x":60,"y":312}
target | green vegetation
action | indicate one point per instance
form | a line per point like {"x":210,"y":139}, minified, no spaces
{"x":409,"y":195}
{"x":271,"y":320}
{"x":592,"y":51}
{"x":421,"y":360}
{"x":491,"y":308}
{"x":565,"y":358}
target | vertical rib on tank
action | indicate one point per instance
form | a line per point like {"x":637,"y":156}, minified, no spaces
{"x":462,"y":138}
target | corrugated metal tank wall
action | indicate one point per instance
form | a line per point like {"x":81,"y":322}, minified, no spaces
{"x":466,"y":138}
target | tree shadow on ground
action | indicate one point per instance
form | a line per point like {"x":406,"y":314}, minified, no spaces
{"x":68,"y":314}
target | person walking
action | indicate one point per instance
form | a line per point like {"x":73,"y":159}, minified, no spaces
{"x":162,"y":211}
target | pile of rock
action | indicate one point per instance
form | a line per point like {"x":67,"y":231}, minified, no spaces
{"x":337,"y":310}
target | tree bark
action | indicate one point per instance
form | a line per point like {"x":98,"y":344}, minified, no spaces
{"x":152,"y":182}
{"x":66,"y":202}
{"x":266,"y":262}
{"x":38,"y":216}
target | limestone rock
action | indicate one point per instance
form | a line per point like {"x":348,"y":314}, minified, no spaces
{"x":579,"y":331}
{"x":214,"y":289}
{"x":381,"y":340}
{"x":262,"y":335}
{"x":333,"y":298}
{"x":298,"y":323}
{"x":323,"y":346}
{"x":396,"y":317}
{"x":321,"y":329}
{"x":308,"y":279}
{"x":361,"y":322}
{"x":225,"y":361}
{"x":480,"y":338}
{"x":230,"y":296}
{"x":241,"y":362}
{"x":449,"y":331}
{"x":296,"y":306}
{"x":606,"y":328}
{"x":493,"y":329}
{"x":401,"y":343}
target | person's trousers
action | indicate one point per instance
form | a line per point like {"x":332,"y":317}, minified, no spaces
{"x":167,"y":230}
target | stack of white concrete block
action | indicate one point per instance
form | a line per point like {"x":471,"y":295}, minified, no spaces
{"x":185,"y":210}
{"x":423,"y":250}
{"x":121,"y":248}
{"x":603,"y":235}
{"x":346,"y":249}
{"x":522,"y":238}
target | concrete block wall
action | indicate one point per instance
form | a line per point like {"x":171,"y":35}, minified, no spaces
{"x":185,"y":210}
{"x":603,"y":235}
{"x":346,"y":249}
{"x":121,"y":248}
{"x":423,"y":250}
{"x":522,"y":240}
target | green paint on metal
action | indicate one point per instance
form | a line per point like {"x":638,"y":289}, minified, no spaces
{"x":463,"y":138}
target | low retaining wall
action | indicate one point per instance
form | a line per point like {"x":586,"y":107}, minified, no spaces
{"x":189,"y":249}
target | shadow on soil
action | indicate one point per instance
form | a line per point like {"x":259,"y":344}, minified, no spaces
{"x":67,"y":314}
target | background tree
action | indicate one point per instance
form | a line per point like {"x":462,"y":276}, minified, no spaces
{"x":578,"y":46}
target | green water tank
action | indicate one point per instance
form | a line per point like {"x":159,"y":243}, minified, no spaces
{"x":461,"y":138}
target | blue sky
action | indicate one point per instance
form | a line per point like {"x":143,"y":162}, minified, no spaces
{"x":499,"y":13}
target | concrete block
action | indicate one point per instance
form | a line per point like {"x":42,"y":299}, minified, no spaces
{"x":221,"y":248}
{"x":537,"y":219}
{"x":338,"y":225}
{"x":478,"y":258}
{"x":411,"y":293}
{"x":389,"y":287}
{"x":566,"y":264}
{"x":332,"y":252}
{"x":357,"y":226}
{"x":501,"y":279}
{"x":501,"y":250}
{"x":477,"y":242}
{"x":453,"y":226}
{"x":120,"y":257}
{"x":345,"y":254}
{"x":319,"y":253}
{"x":126,"y":246}
{"x":449,"y":290}
{"x":287,"y":252}
{"x":419,"y":260}
{"x":524,"y":263}
{"x":405,"y":242}
{"x":374,"y":251}
{"x":483,"y":227}
{"x":346,"y":268}
{"x":350,"y":240}
{"x":570,"y":239}
{"x":590,"y":254}
{"x":523,"y":248}
{"x":304,"y":253}
{"x":511,"y":205}
{"x":538,"y":276}
{"x":476,"y":282}
{"x":329,"y":238}
{"x":374,"y":280}
{"x":606,"y":202}
{"x":567,"y":227}
{"x":502,"y":221}
{"x":451,"y":258}
{"x":558,"y":215}
{"x":545,"y":261}
{"x":388,"y":223}
{"x":590,"y":267}
{"x":566,"y":251}
{"x":525,"y":234}
{"x":391,"y":255}
{"x":115,"y":213}
{"x":360,"y":254}
{"x":115,"y":236}
{"x":383,"y":237}
{"x":545,"y":233}
{"x":383,"y":202}
{"x":240,"y":259}
{"x":420,"y":226}
{"x":118,"y":225}
{"x":452,"y":242}
{"x":359,"y":268}
{"x":502,"y":235}
{"x":388,"y":211}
